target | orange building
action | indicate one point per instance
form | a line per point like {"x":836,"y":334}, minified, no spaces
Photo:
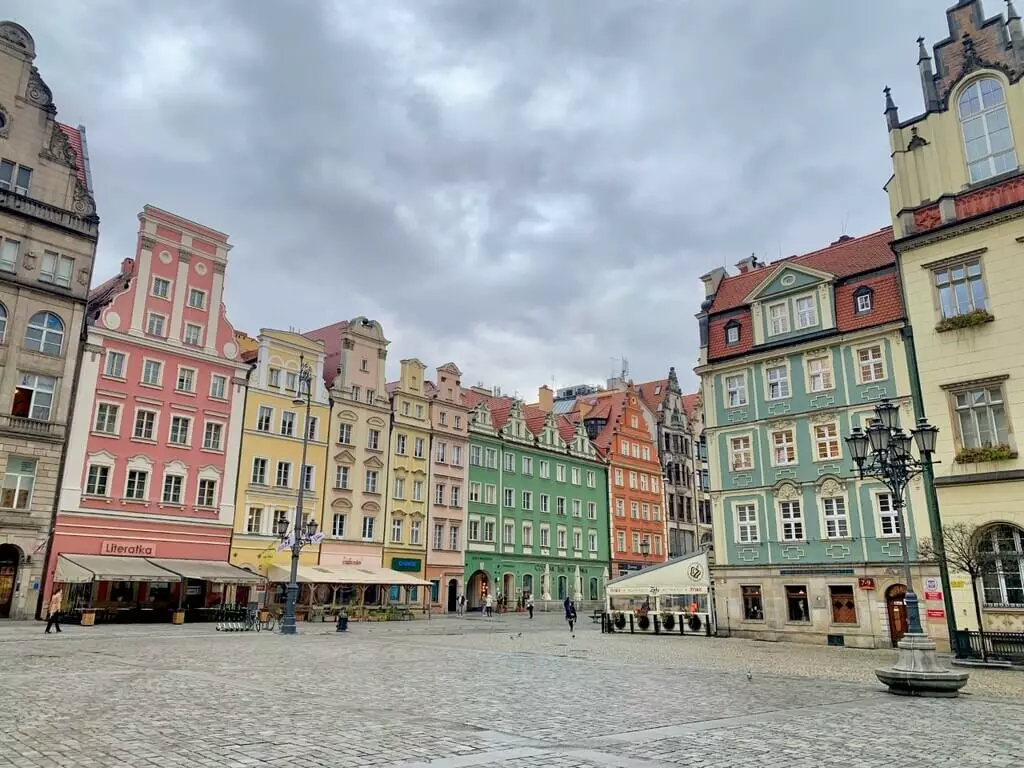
{"x":625,"y":432}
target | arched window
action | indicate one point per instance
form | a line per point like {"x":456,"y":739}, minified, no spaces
{"x":1004,"y":584}
{"x":986,"y":127}
{"x":45,"y":333}
{"x":3,"y":322}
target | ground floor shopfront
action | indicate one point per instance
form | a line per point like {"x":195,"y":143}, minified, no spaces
{"x":259,"y":553}
{"x":858,"y":606}
{"x":510,"y":580}
{"x":446,"y":584}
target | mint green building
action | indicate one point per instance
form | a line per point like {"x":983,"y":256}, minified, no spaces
{"x":537,"y":517}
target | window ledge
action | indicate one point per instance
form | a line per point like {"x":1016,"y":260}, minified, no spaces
{"x":989,"y":455}
{"x":963,"y":322}
{"x":1014,"y":609}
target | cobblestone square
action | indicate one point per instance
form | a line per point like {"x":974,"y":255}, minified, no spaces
{"x":460,"y":693}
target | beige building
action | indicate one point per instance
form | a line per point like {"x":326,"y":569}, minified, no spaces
{"x":357,"y":458}
{"x":48,"y":233}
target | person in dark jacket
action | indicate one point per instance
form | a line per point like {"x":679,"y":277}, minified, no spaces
{"x":570,"y":615}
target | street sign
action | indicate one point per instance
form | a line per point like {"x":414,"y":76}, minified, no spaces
{"x":936,"y":613}
{"x":933,"y":596}
{"x":931,"y":584}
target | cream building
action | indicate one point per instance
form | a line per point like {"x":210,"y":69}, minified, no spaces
{"x":48,"y":233}
{"x":957,"y":200}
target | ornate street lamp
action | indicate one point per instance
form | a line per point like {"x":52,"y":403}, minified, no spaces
{"x":302,"y":534}
{"x":884,"y":452}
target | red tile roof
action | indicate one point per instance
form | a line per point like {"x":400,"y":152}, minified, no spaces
{"x":533,"y":415}
{"x":604,"y":405}
{"x":842,"y":259}
{"x":691,"y":403}
{"x":652,"y":393}
{"x":81,"y":161}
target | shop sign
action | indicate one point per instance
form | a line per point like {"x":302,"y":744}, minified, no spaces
{"x":931,"y":584}
{"x":935,"y":597}
{"x":866,"y":582}
{"x":936,"y":613}
{"x":356,"y":561}
{"x":958,"y":584}
{"x":128,"y":548}
{"x":405,"y":564}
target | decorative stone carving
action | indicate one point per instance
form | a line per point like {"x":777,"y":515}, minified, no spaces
{"x":17,"y":37}
{"x":39,"y":93}
{"x":787,"y":492}
{"x":111,"y":319}
{"x":83,"y":276}
{"x":82,"y":203}
{"x":831,"y":487}
{"x":382,"y":354}
{"x":165,"y":256}
{"x":218,"y":268}
{"x":230,"y":350}
{"x":147,"y":242}
{"x":822,"y":418}
{"x":200,"y":268}
{"x":58,"y":148}
{"x":774,"y":362}
{"x":184,"y":256}
{"x":28,"y":261}
{"x":5,"y":123}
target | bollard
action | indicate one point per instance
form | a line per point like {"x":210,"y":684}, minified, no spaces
{"x":657,"y":625}
{"x":631,"y":622}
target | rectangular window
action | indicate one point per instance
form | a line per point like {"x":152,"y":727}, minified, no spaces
{"x":826,"y":441}
{"x":161,"y":288}
{"x":777,"y":377}
{"x":155,"y":324}
{"x":871,"y":364}
{"x":960,"y":289}
{"x":371,"y":481}
{"x":196,"y":298}
{"x":414,"y":532}
{"x":456,"y":459}
{"x":368,"y":527}
{"x":591,"y":510}
{"x":19,"y":480}
{"x":490,"y":494}
{"x":563,"y":538}
{"x":577,"y":540}
{"x":474,"y":530}
{"x":981,"y":417}
{"x":151,"y":370}
{"x":439,"y":493}
{"x":509,"y":533}
{"x":527,"y":535}
{"x":308,"y":477}
{"x":806,"y":312}
{"x":742,"y":454}
{"x":836,"y":524}
{"x":345,"y":434}
{"x":341,"y":478}
{"x":259,"y":471}
{"x":186,"y":380}
{"x":618,"y":477}
{"x":135,"y":486}
{"x":592,"y":541}
{"x":796,"y":603}
{"x":527,"y":500}
{"x":193,"y":335}
{"x":453,"y":536}
{"x":373,"y":440}
{"x":97,"y":481}
{"x":509,"y":498}
{"x":889,"y":519}
{"x":577,"y":508}
{"x":439,"y":536}
{"x":746,"y":524}
{"x":753,"y":602}
{"x":401,"y":443}
{"x":620,"y":541}
{"x":591,"y":479}
{"x":575,"y":475}
{"x":819,"y":374}
{"x":213,"y":436}
{"x":792,"y":521}
{"x":399,"y":490}
{"x":783,"y":446}
{"x":489,"y":531}
{"x":844,"y":607}
{"x":207,"y":494}
{"x":474,"y":491}
{"x":172,"y":489}
{"x":545,"y":536}
{"x":475,"y":455}
{"x":179,"y":430}
{"x":15,"y":177}
{"x":560,"y":505}
{"x":254,"y":521}
{"x":419,"y":446}
{"x":544,"y":469}
{"x":736,"y":390}
{"x":458,"y":422}
{"x":219,"y":387}
{"x":620,"y":508}
{"x":106,"y":418}
{"x":417,"y":490}
{"x":443,"y":418}
{"x":778,"y":319}
{"x":9,"y":252}
{"x":441,"y":451}
{"x":264,"y":417}
{"x":288,"y":424}
{"x":145,"y":422}
{"x":311,"y":425}
{"x":527,"y":465}
{"x":510,"y":462}
{"x":560,"y":473}
{"x":338,"y":526}
{"x":491,"y":458}
{"x":396,"y":531}
{"x":56,"y":269}
{"x":284,"y":474}
{"x":274,"y":377}
{"x":545,"y":503}
{"x":291,"y":381}
{"x":115,"y":365}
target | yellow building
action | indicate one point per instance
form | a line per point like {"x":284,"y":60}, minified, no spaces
{"x":405,"y":530}
{"x":270,"y":468}
{"x":957,"y":199}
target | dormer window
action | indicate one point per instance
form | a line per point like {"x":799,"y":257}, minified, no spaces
{"x":806,"y":312}
{"x":732,"y":333}
{"x":988,"y":142}
{"x":863,"y":300}
{"x":778,"y":318}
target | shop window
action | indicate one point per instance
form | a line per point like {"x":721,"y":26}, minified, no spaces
{"x":796,"y":603}
{"x":753,"y":603}
{"x":844,"y":608}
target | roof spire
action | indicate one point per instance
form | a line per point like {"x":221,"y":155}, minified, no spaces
{"x":673,"y":381}
{"x":892,"y":117}
{"x":1015,"y":30}
{"x":924,"y":65}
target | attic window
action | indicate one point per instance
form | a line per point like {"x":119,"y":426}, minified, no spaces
{"x":732,"y":332}
{"x":863,"y":300}
{"x":657,"y":389}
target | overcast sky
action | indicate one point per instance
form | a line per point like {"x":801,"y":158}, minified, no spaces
{"x":529,"y":188}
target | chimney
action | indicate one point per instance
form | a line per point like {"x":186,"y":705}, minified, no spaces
{"x":712,"y":280}
{"x":924,"y":64}
{"x":615,"y":382}
{"x":841,"y":239}
{"x":545,"y":398}
{"x":128,"y":267}
{"x":748,"y":264}
{"x":1015,"y":30}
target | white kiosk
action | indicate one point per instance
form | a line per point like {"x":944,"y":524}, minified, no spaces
{"x":672,"y":597}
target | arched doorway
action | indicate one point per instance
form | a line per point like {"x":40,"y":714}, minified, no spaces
{"x":593,"y":589}
{"x":527,"y":585}
{"x":453,"y":594}
{"x":479,"y":588}
{"x":896,"y":608}
{"x":508,"y":590}
{"x":563,"y":585}
{"x":10,"y":559}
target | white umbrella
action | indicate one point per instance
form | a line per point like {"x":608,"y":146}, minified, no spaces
{"x":546,"y":585}
{"x":579,"y":585}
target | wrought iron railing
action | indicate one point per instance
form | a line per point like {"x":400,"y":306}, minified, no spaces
{"x":999,"y":646}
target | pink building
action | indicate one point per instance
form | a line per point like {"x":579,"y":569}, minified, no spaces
{"x":153,"y":451}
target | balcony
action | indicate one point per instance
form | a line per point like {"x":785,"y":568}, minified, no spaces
{"x":86,"y":224}
{"x":32,"y":428}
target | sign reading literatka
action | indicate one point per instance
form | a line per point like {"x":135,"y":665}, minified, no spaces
{"x":128,"y":548}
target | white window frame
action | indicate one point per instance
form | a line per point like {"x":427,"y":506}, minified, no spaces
{"x":835,"y":517}
{"x":198,"y":337}
{"x":146,"y":362}
{"x":882,"y":515}
{"x":154,"y":316}
{"x":155,"y":426}
{"x":56,"y":274}
{"x":170,"y":288}
{"x":827,"y":441}
{"x":787,"y":446}
{"x":826,"y":374}
{"x":792,"y":527}
{"x":985,"y":166}
{"x":184,"y":369}
{"x":874,"y":366}
{"x":778,"y":322}
{"x":206,"y":432}
{"x":175,"y":417}
{"x":803,"y":319}
{"x":109,"y":357}
{"x":202,"y":298}
{"x":736,"y":384}
{"x":781,"y":382}
{"x":213,"y":378}
{"x":115,"y":429}
{"x":739,"y":451}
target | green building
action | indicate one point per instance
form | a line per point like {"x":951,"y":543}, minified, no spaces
{"x":537,"y":521}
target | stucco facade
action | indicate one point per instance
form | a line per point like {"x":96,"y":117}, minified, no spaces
{"x":355,"y":356}
{"x":957,"y":202}
{"x":270,"y":468}
{"x":449,"y":456}
{"x":48,"y":233}
{"x":153,"y":454}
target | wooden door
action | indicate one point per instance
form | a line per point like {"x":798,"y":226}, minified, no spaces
{"x":897,"y":610}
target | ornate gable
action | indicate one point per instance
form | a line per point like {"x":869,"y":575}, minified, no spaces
{"x":581,"y":445}
{"x":785,"y":278}
{"x":549,"y":436}
{"x":480,"y":419}
{"x":515,"y":428}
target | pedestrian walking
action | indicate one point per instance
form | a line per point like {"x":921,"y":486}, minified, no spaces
{"x":53,"y":614}
{"x":460,"y":605}
{"x":529,"y":605}
{"x":489,"y":606}
{"x":570,"y":615}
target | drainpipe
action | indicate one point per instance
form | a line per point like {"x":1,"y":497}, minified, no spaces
{"x":928,"y":475}
{"x":238,"y":464}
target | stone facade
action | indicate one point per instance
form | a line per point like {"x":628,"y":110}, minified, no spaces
{"x":48,"y":234}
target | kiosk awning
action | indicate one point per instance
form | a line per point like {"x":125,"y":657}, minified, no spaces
{"x":213,"y":571}
{"x":346,"y":574}
{"x":686,"y":575}
{"x":309,"y":574}
{"x":385,"y":576}
{"x":81,"y":569}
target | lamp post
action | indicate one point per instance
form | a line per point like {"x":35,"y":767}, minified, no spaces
{"x":302,"y":534}
{"x":884,"y":452}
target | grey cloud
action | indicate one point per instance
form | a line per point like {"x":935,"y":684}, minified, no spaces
{"x":526,"y":188}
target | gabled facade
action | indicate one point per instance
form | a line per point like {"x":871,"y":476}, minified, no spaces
{"x":152,"y":458}
{"x":355,"y":357}
{"x":537,"y":517}
{"x":678,"y":449}
{"x":449,"y":454}
{"x":625,"y":432}
{"x":794,"y":355}
{"x":405,"y":542}
{"x":271,"y":467}
{"x":957,"y":202}
{"x":48,"y":233}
